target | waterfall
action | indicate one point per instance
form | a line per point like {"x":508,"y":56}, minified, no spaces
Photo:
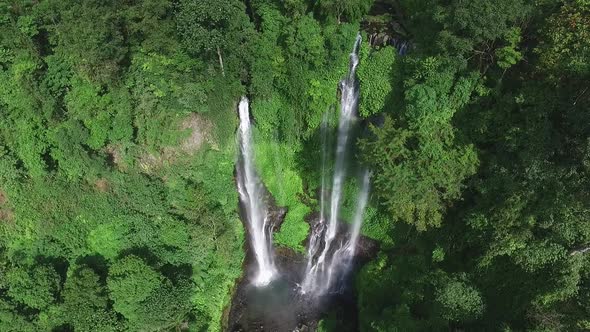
{"x":319,"y":228}
{"x":252,"y":197}
{"x":360,"y":211}
{"x":345,"y":253}
{"x":321,"y":269}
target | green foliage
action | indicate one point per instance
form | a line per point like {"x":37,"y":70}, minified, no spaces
{"x":108,"y":239}
{"x":349,"y":10}
{"x":95,"y":96}
{"x":145,"y":297}
{"x":10,"y":321}
{"x":35,"y":288}
{"x":277,"y":168}
{"x":305,"y":42}
{"x":206,"y":25}
{"x":506,"y":255}
{"x":85,"y":303}
{"x":418,"y":166}
{"x":85,"y":105}
{"x":99,"y":54}
{"x":117,"y":151}
{"x":438,"y":255}
{"x":294,"y":229}
{"x":375,"y":75}
{"x":170,"y":81}
{"x":564,"y":48}
{"x":268,"y":63}
{"x":130,"y":282}
{"x":388,"y":291}
{"x":466,"y":27}
{"x":509,"y":55}
{"x":23,"y":127}
{"x":459,"y":301}
{"x":214,"y":29}
{"x":305,"y":60}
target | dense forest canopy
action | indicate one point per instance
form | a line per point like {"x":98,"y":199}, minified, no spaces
{"x":118,"y":206}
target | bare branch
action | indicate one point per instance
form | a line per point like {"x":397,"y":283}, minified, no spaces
{"x":580,"y":251}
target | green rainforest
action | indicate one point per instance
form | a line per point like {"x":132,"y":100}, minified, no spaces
{"x":142,"y":142}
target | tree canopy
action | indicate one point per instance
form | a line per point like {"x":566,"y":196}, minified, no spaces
{"x":118,"y":204}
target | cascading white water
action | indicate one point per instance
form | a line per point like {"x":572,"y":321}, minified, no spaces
{"x":319,"y":228}
{"x":320,"y":270}
{"x":345,"y":253}
{"x":252,"y":197}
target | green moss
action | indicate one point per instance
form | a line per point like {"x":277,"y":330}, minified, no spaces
{"x":294,"y":229}
{"x":276,"y":166}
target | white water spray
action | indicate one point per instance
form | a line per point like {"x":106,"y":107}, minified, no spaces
{"x":319,"y":228}
{"x":345,"y":253}
{"x":252,"y":196}
{"x":320,"y":270}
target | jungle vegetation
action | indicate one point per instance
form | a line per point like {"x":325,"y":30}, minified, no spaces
{"x":118,"y":207}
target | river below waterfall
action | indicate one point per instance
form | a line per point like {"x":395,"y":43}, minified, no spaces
{"x":280,"y":306}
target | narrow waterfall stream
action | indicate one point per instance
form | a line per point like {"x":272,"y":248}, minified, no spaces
{"x":321,"y":269}
{"x":343,"y":256}
{"x":252,"y":196}
{"x":319,"y":228}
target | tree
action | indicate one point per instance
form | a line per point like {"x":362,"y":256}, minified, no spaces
{"x":35,"y":287}
{"x":88,"y":34}
{"x":305,"y":42}
{"x":11,"y":320}
{"x":375,"y":72}
{"x":145,"y":297}
{"x":419,"y":165}
{"x":23,"y":126}
{"x":565,"y":47}
{"x":469,"y":30}
{"x":85,"y":302}
{"x":459,"y":301}
{"x":130,"y":282}
{"x":213,"y":27}
{"x":349,"y":10}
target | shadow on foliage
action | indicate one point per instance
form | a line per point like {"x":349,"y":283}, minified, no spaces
{"x":59,"y":264}
{"x":97,"y":263}
{"x":144,"y":253}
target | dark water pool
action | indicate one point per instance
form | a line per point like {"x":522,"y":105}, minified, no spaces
{"x":280,"y":307}
{"x":271,"y":308}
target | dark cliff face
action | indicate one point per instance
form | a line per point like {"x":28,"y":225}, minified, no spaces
{"x":366,"y":248}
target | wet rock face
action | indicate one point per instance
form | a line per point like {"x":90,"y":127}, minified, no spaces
{"x":277,"y":216}
{"x":366,"y":248}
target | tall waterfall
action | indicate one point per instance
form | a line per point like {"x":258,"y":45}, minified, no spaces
{"x":252,"y":196}
{"x":320,"y":270}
